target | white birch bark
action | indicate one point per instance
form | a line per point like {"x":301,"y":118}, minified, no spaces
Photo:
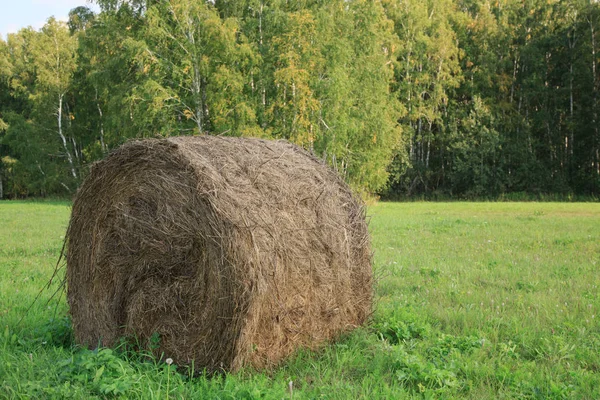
{"x":62,"y":136}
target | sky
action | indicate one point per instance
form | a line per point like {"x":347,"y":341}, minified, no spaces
{"x":17,"y":14}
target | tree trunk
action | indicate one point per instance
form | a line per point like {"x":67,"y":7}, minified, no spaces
{"x":263,"y":89}
{"x":76,"y":150}
{"x":199,"y":106}
{"x":514,"y":79}
{"x":411,"y":151}
{"x":572,"y":128}
{"x":420,"y":139}
{"x":571,"y":142}
{"x":206,"y":115}
{"x":260,"y":30}
{"x":102,"y":143}
{"x":428,"y":146}
{"x":62,"y":136}
{"x":595,"y":89}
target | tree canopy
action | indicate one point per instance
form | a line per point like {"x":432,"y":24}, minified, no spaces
{"x":464,"y":98}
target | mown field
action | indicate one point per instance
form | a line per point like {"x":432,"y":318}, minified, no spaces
{"x":474,"y":300}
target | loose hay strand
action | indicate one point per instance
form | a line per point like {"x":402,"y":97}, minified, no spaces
{"x":61,"y":286}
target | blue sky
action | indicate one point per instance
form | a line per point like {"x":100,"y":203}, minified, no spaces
{"x":17,"y":14}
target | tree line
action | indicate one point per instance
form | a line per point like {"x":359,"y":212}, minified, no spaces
{"x":464,"y":98}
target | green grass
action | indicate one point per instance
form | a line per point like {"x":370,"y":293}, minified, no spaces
{"x":474,"y":300}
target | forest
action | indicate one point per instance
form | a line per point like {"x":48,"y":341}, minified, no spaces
{"x":403,"y":98}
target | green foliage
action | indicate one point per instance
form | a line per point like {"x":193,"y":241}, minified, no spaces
{"x":38,"y":71}
{"x":402,"y":326}
{"x":504,"y":117}
{"x":446,"y":98}
{"x":101,"y":371}
{"x":476,"y":153}
{"x":199,"y":62}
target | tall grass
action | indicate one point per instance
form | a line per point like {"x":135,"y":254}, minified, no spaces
{"x":474,"y":300}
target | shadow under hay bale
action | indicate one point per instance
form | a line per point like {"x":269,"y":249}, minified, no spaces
{"x":235,"y":251}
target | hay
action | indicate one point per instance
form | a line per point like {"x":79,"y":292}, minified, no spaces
{"x":235,"y":251}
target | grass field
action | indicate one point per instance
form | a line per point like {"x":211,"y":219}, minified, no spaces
{"x":474,"y":300}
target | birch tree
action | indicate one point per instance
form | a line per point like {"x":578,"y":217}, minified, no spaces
{"x":294,"y":104}
{"x":201,"y":61}
{"x":55,"y":58}
{"x":428,"y":72}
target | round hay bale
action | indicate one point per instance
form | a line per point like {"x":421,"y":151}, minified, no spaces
{"x":234,"y":251}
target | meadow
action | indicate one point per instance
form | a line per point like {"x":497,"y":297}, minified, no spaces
{"x":473,"y":301}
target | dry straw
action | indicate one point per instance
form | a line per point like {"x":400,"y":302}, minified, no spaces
{"x":234,"y":251}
